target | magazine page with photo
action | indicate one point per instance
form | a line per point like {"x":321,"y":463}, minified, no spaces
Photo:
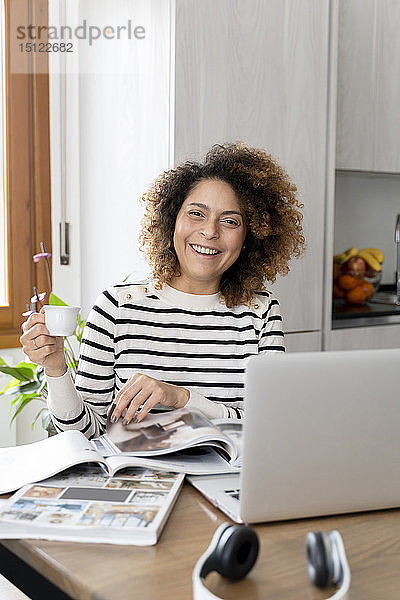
{"x":179,"y":441}
{"x":169,"y":431}
{"x":86,"y":505}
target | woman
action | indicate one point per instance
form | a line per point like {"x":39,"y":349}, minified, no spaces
{"x":214,"y":232}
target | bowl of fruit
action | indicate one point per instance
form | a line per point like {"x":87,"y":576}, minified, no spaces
{"x":357,"y":274}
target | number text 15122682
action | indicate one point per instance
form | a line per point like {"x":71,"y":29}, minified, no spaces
{"x":46,"y":47}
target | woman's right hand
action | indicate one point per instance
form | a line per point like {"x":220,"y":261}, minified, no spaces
{"x":41,"y":347}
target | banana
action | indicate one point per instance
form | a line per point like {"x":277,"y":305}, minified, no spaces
{"x":376,"y":253}
{"x":349,"y":253}
{"x":338,"y":257}
{"x":344,"y":256}
{"x":370,"y":259}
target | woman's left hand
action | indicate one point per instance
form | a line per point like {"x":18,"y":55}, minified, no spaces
{"x":146,"y":391}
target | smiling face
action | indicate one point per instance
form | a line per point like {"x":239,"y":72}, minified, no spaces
{"x":208,"y":237}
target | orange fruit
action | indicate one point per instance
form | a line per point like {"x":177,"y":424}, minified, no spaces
{"x":357,"y":295}
{"x":367,"y":288}
{"x":337,"y":270}
{"x":338,"y":292}
{"x":348,"y":282}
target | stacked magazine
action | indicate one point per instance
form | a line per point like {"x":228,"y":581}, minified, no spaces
{"x":86,"y":505}
{"x":178,"y":440}
{"x":122,"y":485}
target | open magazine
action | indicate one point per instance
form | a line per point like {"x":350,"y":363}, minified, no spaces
{"x":86,"y":505}
{"x":179,"y":441}
{"x":173,"y":431}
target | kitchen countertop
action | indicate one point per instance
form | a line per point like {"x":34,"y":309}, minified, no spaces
{"x":367,"y":314}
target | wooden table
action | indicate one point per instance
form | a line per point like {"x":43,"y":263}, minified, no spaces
{"x":106,"y":572}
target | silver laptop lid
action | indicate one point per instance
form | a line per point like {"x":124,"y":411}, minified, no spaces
{"x":321,"y":434}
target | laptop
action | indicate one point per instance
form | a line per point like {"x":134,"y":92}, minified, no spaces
{"x":321,"y":437}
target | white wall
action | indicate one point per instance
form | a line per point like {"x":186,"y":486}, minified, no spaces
{"x":124,"y":117}
{"x":118,"y":126}
{"x":366,"y":205}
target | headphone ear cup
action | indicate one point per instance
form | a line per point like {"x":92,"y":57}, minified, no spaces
{"x":236,"y":552}
{"x":317,"y":558}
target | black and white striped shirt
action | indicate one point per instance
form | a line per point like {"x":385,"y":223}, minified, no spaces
{"x":193,"y":341}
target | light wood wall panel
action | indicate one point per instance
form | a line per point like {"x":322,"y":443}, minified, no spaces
{"x":387,"y":122}
{"x":356,"y":84}
{"x":368,"y":127}
{"x":258,"y":71}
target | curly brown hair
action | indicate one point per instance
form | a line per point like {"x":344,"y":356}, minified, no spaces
{"x":266,"y":196}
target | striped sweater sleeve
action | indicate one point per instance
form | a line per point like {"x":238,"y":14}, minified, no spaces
{"x":271,"y":343}
{"x":271,"y":339}
{"x":84,"y":405}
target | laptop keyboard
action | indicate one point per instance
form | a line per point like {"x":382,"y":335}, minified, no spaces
{"x":233,"y":493}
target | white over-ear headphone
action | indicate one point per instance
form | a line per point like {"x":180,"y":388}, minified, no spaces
{"x":234,"y":549}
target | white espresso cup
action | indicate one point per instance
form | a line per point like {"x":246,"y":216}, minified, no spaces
{"x":61,"y":320}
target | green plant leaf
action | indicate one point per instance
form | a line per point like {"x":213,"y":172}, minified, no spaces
{"x":40,"y":374}
{"x":9,"y":387}
{"x":23,"y":371}
{"x":28,"y":365}
{"x":15,"y":400}
{"x":79,"y":331}
{"x":44,"y":412}
{"x":56,"y":301}
{"x":21,"y":374}
{"x":21,"y":397}
{"x":23,"y":403}
{"x":12,"y":391}
{"x":29,"y":387}
{"x":46,"y":418}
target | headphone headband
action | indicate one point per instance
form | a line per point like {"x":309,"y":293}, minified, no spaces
{"x":234,"y":549}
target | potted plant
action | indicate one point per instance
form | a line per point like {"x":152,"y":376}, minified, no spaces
{"x":27,"y":381}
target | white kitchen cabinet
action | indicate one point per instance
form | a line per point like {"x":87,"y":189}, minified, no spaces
{"x":257,"y":71}
{"x":306,"y":341}
{"x":358,"y":338}
{"x":368,"y":122}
